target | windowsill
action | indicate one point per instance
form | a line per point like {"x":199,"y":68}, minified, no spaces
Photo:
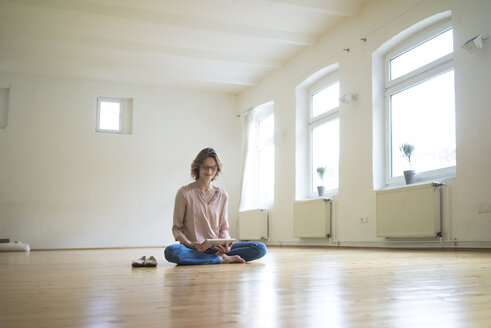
{"x":422,"y":178}
{"x":327,"y":199}
{"x":412,"y":185}
{"x":328,"y":196}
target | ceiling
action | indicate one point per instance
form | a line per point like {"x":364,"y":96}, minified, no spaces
{"x":216,"y":45}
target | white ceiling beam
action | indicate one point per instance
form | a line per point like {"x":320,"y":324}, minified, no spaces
{"x":140,"y":47}
{"x":165,"y":19}
{"x":333,"y":7}
{"x":41,"y":62}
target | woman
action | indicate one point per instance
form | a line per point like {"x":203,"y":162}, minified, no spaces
{"x":200,"y":213}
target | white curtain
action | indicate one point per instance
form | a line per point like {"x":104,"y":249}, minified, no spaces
{"x":246,"y":201}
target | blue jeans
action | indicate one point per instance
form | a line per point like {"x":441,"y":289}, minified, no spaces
{"x":182,"y":255}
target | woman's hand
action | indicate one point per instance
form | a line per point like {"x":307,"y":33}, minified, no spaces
{"x":223,"y":249}
{"x":201,"y":247}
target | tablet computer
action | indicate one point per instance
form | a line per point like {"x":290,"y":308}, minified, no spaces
{"x":214,"y":242}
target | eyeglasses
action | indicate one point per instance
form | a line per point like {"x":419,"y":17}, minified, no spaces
{"x":206,"y":168}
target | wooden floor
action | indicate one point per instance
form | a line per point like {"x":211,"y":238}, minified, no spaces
{"x":289,"y":287}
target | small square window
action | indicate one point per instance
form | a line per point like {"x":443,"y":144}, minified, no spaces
{"x":114,"y":115}
{"x":109,"y":116}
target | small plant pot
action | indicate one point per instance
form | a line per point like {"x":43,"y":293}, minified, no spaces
{"x":410,"y":176}
{"x":321,"y":190}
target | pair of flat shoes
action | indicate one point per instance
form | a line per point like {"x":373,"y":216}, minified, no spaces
{"x":144,"y":262}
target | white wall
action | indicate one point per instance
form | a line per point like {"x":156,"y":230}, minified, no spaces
{"x":62,"y":185}
{"x":378,"y":22}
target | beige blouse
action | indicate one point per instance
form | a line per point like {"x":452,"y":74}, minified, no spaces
{"x":200,"y":215}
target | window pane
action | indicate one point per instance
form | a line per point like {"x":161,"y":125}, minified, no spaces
{"x":325,"y":100}
{"x":325,"y":153}
{"x":425,"y":53}
{"x":109,"y":114}
{"x":424,"y":115}
{"x":266,"y":129}
{"x":266,"y":174}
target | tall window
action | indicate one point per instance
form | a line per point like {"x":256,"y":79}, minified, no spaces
{"x":420,"y":105}
{"x":324,"y":134}
{"x":258,"y":184}
{"x":265,"y":155}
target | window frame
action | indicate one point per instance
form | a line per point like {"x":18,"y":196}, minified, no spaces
{"x":121,"y":103}
{"x":419,"y":75}
{"x":314,"y":122}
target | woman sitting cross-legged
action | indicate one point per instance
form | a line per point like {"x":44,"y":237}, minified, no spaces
{"x":200,"y":213}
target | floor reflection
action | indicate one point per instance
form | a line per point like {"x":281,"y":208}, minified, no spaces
{"x":228,"y":294}
{"x":289,"y":287}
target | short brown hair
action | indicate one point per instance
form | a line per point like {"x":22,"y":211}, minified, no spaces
{"x":201,"y":158}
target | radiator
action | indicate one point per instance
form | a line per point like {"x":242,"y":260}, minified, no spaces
{"x":253,"y":225}
{"x":412,"y":211}
{"x":312,"y":218}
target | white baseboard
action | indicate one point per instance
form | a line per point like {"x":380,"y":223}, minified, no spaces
{"x":387,"y":243}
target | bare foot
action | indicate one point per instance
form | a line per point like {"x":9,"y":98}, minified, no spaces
{"x":231,"y":259}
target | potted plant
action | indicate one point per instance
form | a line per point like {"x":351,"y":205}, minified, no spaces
{"x":321,"y":189}
{"x":407,"y":151}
